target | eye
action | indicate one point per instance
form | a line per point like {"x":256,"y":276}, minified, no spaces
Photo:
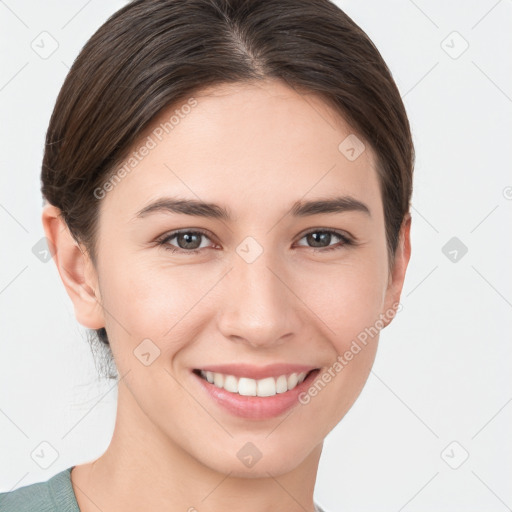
{"x":320,"y":239}
{"x":188,"y":241}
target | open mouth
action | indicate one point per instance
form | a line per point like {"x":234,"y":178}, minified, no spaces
{"x":269,"y":386}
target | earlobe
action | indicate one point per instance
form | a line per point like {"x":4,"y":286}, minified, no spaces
{"x":75,"y":269}
{"x":397,"y":273}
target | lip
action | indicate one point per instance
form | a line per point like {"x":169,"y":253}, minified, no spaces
{"x":255,"y":407}
{"x":258,"y":372}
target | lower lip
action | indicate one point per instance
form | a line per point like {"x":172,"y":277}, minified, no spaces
{"x":256,"y":407}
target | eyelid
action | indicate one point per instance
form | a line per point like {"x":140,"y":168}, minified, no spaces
{"x":173,"y":233}
{"x":338,"y":232}
{"x":342,"y":234}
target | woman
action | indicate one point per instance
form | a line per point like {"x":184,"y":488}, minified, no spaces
{"x":228,"y":186}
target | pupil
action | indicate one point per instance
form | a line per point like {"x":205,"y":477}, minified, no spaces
{"x":189,"y":240}
{"x":316,"y":236}
{"x":316,"y":239}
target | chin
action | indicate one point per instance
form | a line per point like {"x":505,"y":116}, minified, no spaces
{"x":257,"y":459}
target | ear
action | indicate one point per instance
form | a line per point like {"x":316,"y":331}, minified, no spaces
{"x":397,"y":272}
{"x":75,"y":268}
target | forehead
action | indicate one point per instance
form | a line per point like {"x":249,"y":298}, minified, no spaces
{"x":252,"y":146}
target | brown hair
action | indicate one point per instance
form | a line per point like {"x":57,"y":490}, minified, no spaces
{"x":155,"y":53}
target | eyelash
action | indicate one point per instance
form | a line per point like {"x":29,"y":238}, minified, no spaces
{"x":164,"y":241}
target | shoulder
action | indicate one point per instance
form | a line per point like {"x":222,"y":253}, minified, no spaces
{"x":54,"y":495}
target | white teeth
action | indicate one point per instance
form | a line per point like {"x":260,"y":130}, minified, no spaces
{"x":269,"y":386}
{"x":218,"y":380}
{"x":282,"y":384}
{"x":247,"y":387}
{"x":292,"y":381}
{"x":231,"y":384}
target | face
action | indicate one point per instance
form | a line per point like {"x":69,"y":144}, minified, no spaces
{"x":268,"y":282}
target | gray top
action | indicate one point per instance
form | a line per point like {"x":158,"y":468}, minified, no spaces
{"x":54,"y":495}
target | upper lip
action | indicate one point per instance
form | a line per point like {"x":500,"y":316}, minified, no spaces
{"x":258,"y":372}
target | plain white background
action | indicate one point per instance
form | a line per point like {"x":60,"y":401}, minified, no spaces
{"x":429,"y":430}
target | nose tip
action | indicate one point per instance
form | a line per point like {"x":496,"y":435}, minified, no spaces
{"x":258,"y":309}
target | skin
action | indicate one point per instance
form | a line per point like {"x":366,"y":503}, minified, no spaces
{"x":255,"y":149}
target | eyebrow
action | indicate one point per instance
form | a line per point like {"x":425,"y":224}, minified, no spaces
{"x":196,"y":208}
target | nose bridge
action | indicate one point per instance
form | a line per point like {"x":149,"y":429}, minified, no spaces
{"x":258,"y":308}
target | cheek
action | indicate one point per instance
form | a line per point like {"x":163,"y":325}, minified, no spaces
{"x":167,"y":302}
{"x":346,"y":304}
{"x":347,"y":299}
{"x":145,"y":299}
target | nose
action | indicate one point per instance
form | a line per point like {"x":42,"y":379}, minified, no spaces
{"x":258,"y":304}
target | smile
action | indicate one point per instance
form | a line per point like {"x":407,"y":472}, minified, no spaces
{"x":245,"y":386}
